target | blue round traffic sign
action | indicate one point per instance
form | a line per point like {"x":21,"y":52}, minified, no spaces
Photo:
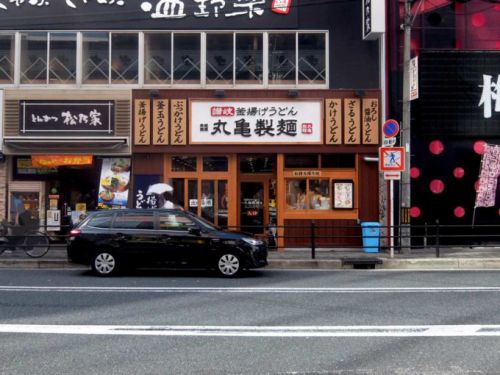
{"x":390,"y":128}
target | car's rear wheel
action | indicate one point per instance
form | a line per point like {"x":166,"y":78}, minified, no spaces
{"x":104,"y":264}
{"x":229,"y":265}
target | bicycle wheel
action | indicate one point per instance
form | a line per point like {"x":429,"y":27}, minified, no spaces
{"x":36,"y":244}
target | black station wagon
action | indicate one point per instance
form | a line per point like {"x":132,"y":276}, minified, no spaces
{"x":110,"y":240}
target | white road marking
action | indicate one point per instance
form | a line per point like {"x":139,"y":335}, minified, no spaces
{"x":259,"y":331}
{"x":106,"y":289}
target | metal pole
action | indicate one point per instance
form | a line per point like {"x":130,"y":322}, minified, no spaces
{"x":405,"y":201}
{"x":313,"y":240}
{"x":437,"y":239}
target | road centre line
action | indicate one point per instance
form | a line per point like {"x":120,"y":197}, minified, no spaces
{"x":258,"y":331}
{"x":302,"y":290}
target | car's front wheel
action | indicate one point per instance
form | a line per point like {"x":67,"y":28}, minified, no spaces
{"x":229,"y":265}
{"x":104,"y":264}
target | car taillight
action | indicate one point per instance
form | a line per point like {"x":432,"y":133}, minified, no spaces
{"x":75,"y":232}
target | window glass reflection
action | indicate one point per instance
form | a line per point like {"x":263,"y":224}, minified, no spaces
{"x":124,"y":58}
{"x":62,"y":54}
{"x":319,"y":195}
{"x":312,"y":62}
{"x":249,"y":52}
{"x":282,"y":64}
{"x":296,"y":198}
{"x":187,"y":58}
{"x":215,"y":164}
{"x":7,"y":58}
{"x":34,"y":58}
{"x":95,"y":53}
{"x":157,"y":58}
{"x":220,"y":58}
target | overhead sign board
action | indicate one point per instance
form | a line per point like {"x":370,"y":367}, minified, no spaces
{"x":256,"y":122}
{"x":373,"y":19}
{"x":148,"y":14}
{"x":391,"y":159}
{"x":390,"y":128}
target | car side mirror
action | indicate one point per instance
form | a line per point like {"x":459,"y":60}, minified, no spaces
{"x":194,"y":231}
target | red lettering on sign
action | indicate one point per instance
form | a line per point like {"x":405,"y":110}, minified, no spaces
{"x":307,"y":128}
{"x":222,"y":111}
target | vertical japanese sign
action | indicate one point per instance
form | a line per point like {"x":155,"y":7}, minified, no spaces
{"x":160,"y":122}
{"x":370,"y":122}
{"x":178,"y":119}
{"x":142,"y":122}
{"x":333,"y":110}
{"x":141,"y":186}
{"x":488,"y":177}
{"x":114,"y":183}
{"x":352,"y":121}
{"x":414,"y":78}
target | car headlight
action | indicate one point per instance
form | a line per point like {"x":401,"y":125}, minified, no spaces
{"x":252,"y":241}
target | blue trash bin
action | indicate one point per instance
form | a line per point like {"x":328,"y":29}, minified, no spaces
{"x":371,"y":236}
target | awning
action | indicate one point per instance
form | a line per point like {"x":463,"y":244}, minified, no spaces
{"x":46,"y":161}
{"x":66,"y":145}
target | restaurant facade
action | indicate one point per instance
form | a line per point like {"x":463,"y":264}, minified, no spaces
{"x":258,"y":113}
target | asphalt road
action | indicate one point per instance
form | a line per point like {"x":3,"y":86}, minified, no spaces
{"x":268,"y":322}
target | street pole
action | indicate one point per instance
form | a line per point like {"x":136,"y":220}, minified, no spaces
{"x":405,"y":197}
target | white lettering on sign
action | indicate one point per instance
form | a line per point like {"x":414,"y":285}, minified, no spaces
{"x":490,"y":95}
{"x":45,"y":3}
{"x":270,"y":122}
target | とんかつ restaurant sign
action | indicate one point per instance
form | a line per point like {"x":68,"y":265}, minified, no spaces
{"x":249,"y":121}
{"x":66,"y":117}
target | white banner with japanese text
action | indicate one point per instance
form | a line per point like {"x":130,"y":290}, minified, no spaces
{"x":250,"y":121}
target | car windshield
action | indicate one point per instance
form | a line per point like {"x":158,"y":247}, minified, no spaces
{"x":204,"y":223}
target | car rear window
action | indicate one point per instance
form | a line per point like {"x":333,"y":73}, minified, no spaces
{"x":100,"y":221}
{"x":132,"y":220}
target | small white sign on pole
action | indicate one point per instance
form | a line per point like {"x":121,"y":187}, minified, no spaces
{"x":414,"y":78}
{"x":392,"y":175}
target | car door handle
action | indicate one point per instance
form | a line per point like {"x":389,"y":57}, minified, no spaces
{"x":166,"y":238}
{"x":121,"y":237}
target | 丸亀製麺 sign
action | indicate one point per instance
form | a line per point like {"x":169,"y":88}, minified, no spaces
{"x":66,"y":117}
{"x":246,"y":121}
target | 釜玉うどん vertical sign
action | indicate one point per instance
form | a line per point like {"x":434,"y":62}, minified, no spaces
{"x":66,"y":117}
{"x":256,"y":121}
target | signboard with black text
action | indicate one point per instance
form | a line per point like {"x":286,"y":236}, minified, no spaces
{"x":63,"y":118}
{"x":150,"y":14}
{"x":256,"y":121}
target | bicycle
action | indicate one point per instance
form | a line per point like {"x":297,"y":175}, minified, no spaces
{"x":33,"y":242}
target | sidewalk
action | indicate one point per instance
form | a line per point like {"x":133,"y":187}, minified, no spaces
{"x":476,"y":258}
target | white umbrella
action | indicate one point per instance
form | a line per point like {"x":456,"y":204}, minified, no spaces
{"x":159,"y":189}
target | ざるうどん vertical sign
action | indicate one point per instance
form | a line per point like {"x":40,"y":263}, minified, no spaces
{"x":248,"y":121}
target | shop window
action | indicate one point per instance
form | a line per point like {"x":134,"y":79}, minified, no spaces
{"x":222,"y":203}
{"x":7,"y":47}
{"x":319,"y":195}
{"x":124,"y":58}
{"x":157,"y":58}
{"x":312,"y":61}
{"x":24,"y":204}
{"x":101,"y":220}
{"x":95,"y":54}
{"x":178,"y":193}
{"x":207,"y":200}
{"x":301,"y":161}
{"x":34,"y":58}
{"x":249,"y":57}
{"x":183,"y":163}
{"x":257,"y":164}
{"x":215,"y":164}
{"x":296,"y":194}
{"x":338,"y":161}
{"x":132,"y":220}
{"x":175,"y":222}
{"x":282,"y":58}
{"x":62,"y":58}
{"x":219,"y":59}
{"x":187,"y":58}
